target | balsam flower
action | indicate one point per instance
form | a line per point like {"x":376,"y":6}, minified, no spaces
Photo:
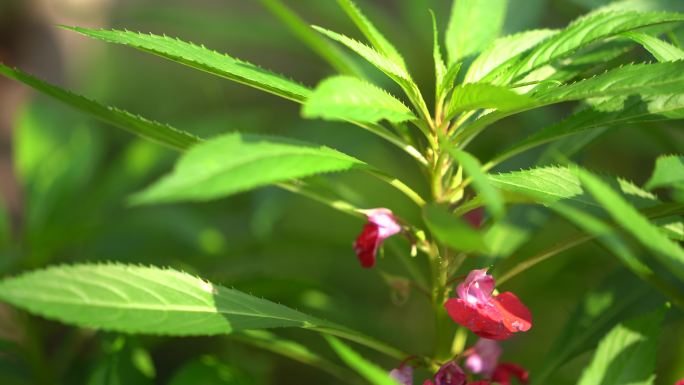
{"x":493,"y":317}
{"x":484,"y":357}
{"x":402,"y":374}
{"x":381,"y":225}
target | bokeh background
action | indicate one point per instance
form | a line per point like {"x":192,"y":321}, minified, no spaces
{"x":65,"y":179}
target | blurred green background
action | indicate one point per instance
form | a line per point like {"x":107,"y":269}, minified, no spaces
{"x":65,"y":179}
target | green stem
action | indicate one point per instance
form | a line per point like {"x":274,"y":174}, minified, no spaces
{"x":336,"y":204}
{"x":399,"y":185}
{"x":395,"y":140}
{"x":362,"y":340}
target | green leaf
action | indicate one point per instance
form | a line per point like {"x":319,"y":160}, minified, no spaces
{"x":667,"y":251}
{"x":302,"y":30}
{"x":473,"y":25}
{"x":472,"y":96}
{"x":148,"y":129}
{"x":373,"y":373}
{"x":236,"y":162}
{"x":668,"y":172}
{"x":291,"y":349}
{"x":149,"y":300}
{"x":351,"y":99}
{"x":371,"y":33}
{"x":440,"y":66}
{"x":203,"y":59}
{"x":447,"y":83}
{"x":584,"y":31}
{"x":503,"y":51}
{"x":661,"y":50}
{"x":612,"y":112}
{"x":208,"y":370}
{"x":626,"y":355}
{"x":452,"y":230}
{"x":472,"y":167}
{"x":379,"y":60}
{"x":548,"y":185}
{"x":643,"y":79}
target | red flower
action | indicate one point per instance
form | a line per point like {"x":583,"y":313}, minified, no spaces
{"x":481,"y":382}
{"x":503,"y":372}
{"x":484,"y":357}
{"x":488,"y":316}
{"x":381,"y":225}
{"x":450,"y":374}
{"x":680,"y":382}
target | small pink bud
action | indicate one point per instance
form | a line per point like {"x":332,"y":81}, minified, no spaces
{"x":381,"y":225}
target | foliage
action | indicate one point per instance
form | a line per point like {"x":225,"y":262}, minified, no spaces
{"x":469,"y":208}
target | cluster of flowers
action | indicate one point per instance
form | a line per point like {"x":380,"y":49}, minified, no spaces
{"x":491,"y":317}
{"x":482,"y":359}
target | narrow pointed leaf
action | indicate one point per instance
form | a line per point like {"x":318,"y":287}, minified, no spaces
{"x":626,"y":355}
{"x":587,"y":30}
{"x":650,"y":236}
{"x":613,"y":112}
{"x":440,"y":66}
{"x":237,"y":162}
{"x":502,"y":52}
{"x":351,"y":99}
{"x":453,"y":231}
{"x":661,"y":50}
{"x":447,"y":83}
{"x":302,"y":30}
{"x":148,"y":129}
{"x":378,"y":59}
{"x":473,"y":96}
{"x":377,"y":40}
{"x":668,"y":172}
{"x":371,"y":372}
{"x":203,"y":59}
{"x":149,"y":300}
{"x":473,"y":25}
{"x":642,"y":79}
{"x":489,"y":194}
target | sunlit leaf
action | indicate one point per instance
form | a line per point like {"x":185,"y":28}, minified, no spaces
{"x":668,"y":172}
{"x":377,"y":40}
{"x":471,"y":96}
{"x":473,"y":25}
{"x":351,"y":99}
{"x":203,"y":59}
{"x":151,"y":130}
{"x":237,"y":162}
{"x":472,"y":167}
{"x":660,"y":49}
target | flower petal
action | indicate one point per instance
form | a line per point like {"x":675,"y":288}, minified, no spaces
{"x":366,"y":245}
{"x":402,"y":374}
{"x":477,"y":287}
{"x":515,"y":315}
{"x":484,"y":358}
{"x":385,"y":221}
{"x":486,"y":321}
{"x":503,"y":372}
{"x":450,"y":374}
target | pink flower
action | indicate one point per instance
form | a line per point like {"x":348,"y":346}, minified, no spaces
{"x":429,"y":382}
{"x":504,"y":372}
{"x":450,"y":374}
{"x":381,"y":225}
{"x":680,"y":382}
{"x":481,"y":382}
{"x":488,"y":316}
{"x":484,"y":357}
{"x":403,"y":375}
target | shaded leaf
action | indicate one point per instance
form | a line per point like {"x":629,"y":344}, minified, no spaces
{"x":203,"y":59}
{"x":649,"y":235}
{"x":452,"y":230}
{"x":473,"y":25}
{"x":584,"y":31}
{"x":348,"y":98}
{"x":148,"y":129}
{"x":489,"y":194}
{"x":626,"y":355}
{"x":373,"y":373}
{"x":236,"y":162}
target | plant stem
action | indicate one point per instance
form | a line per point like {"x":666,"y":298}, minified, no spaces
{"x":362,"y":340}
{"x":401,"y":186}
{"x":395,"y":140}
